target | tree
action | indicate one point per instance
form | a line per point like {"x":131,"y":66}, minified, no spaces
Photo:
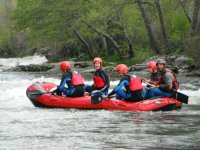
{"x":147,"y":23}
{"x":195,"y":18}
{"x":162,"y":24}
{"x":85,"y":43}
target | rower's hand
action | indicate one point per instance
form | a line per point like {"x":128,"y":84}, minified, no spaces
{"x":157,"y":86}
{"x":96,"y":91}
{"x":144,"y":80}
{"x":110,"y":94}
{"x":53,"y":89}
{"x":54,"y":92}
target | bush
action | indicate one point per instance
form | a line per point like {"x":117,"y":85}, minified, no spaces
{"x":193,"y":50}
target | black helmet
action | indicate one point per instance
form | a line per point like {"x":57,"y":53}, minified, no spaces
{"x":161,"y":61}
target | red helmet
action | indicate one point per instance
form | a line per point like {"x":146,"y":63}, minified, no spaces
{"x":64,"y":65}
{"x":98,"y":59}
{"x":161,"y":61}
{"x":122,"y":68}
{"x":152,"y":65}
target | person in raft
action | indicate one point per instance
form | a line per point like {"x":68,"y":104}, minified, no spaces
{"x":154,"y":76}
{"x":72,"y":83}
{"x":100,"y":78}
{"x":167,"y":82}
{"x":129,"y":88}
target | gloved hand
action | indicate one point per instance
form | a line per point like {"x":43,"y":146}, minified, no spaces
{"x":56,"y":91}
{"x":111,"y":93}
{"x":144,"y":80}
{"x":96,"y":92}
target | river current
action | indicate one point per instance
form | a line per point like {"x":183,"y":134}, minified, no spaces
{"x":23,"y":126}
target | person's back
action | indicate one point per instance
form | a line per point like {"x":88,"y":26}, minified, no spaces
{"x":129,"y":88}
{"x":136,"y":88}
{"x":71,"y":84}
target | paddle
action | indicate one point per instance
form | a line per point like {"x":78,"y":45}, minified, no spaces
{"x":96,"y":99}
{"x":35,"y":94}
{"x":180,"y":97}
{"x":176,"y":95}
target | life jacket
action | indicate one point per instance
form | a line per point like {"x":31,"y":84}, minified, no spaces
{"x":77,"y":79}
{"x":175,"y":83}
{"x":154,"y":77}
{"x":98,"y":82}
{"x":135,"y":84}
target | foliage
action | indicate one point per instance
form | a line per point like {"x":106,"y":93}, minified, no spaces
{"x":193,"y":50}
{"x":104,"y":28}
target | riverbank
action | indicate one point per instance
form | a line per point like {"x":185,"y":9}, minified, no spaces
{"x":179,"y":64}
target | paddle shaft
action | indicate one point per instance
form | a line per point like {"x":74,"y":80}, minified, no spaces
{"x":40,"y":93}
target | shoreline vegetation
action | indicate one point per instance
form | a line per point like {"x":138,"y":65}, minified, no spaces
{"x":118,"y":31}
{"x":179,"y":64}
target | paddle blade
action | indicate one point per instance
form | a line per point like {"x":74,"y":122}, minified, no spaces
{"x":180,"y":97}
{"x":34,"y":94}
{"x":96,"y":99}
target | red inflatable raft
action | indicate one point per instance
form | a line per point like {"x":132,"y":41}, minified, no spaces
{"x":39,"y":94}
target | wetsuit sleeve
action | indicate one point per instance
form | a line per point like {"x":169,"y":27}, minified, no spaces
{"x":106,"y":79}
{"x":167,"y":78}
{"x":127,"y":78}
{"x":154,"y":78}
{"x":122,"y":82}
{"x":66,"y":79}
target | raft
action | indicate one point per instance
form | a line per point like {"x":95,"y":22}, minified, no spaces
{"x":40,"y":96}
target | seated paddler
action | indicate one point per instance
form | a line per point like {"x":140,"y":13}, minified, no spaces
{"x":100,"y":78}
{"x":167,"y":83}
{"x":129,"y":87}
{"x":72,"y":83}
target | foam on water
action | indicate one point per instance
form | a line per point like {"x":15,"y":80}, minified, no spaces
{"x":7,"y":63}
{"x":23,"y":126}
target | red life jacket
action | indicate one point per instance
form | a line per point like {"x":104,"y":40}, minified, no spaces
{"x":98,"y":82}
{"x":77,"y":79}
{"x":135,"y":84}
{"x":175,"y":83}
{"x":151,"y":80}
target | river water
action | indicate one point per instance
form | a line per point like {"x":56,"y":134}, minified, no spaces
{"x":23,"y":126}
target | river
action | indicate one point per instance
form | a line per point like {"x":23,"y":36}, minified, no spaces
{"x":23,"y":126}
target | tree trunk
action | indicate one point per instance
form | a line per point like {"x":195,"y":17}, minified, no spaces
{"x":131,"y":50}
{"x":184,"y":4}
{"x":116,"y":46}
{"x":104,"y":43}
{"x":84,"y":42}
{"x":194,"y":24}
{"x":147,"y":23}
{"x":162,"y":25}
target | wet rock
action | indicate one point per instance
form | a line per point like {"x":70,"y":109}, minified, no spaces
{"x":181,"y":62}
{"x":194,"y":73}
{"x":175,"y":63}
{"x":137,"y":67}
{"x":33,"y":67}
{"x":83,"y":64}
{"x":109,"y":69}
